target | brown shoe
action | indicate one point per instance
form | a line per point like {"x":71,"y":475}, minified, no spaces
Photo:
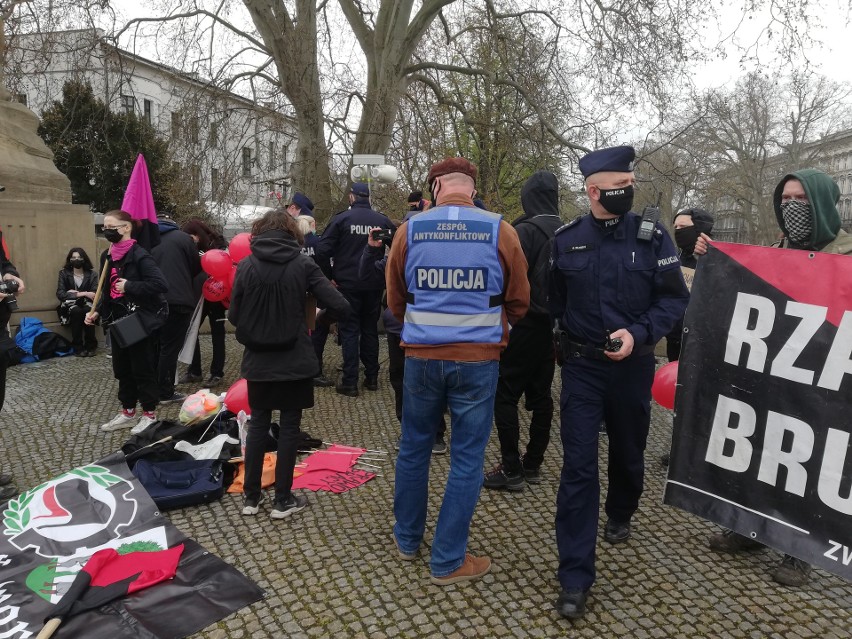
{"x":473,"y":568}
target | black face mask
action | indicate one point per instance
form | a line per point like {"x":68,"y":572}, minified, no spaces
{"x":686,"y":238}
{"x":112,"y":235}
{"x":77,"y":263}
{"x":617,"y":201}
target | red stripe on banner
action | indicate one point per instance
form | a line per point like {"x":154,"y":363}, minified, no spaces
{"x":804,"y":276}
{"x":107,"y":567}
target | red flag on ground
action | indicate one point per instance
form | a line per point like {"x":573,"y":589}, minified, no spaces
{"x":139,"y":202}
{"x":109,"y":575}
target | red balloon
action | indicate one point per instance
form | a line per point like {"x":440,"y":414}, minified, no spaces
{"x":215,"y":290}
{"x":240,"y":247}
{"x":665,"y":382}
{"x":216,"y":263}
{"x":236,"y":399}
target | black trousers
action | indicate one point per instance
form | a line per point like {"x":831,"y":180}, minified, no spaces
{"x":82,"y":336}
{"x":172,"y":337}
{"x":215,"y":313}
{"x":396,"y":373}
{"x":359,"y":334}
{"x":135,"y":368}
{"x":5,"y":314}
{"x":526,"y":368}
{"x":288,"y":441}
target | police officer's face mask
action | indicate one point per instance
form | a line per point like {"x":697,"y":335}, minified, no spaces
{"x":617,"y":201}
{"x":798,"y":220}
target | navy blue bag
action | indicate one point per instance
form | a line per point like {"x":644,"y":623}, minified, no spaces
{"x":176,"y":484}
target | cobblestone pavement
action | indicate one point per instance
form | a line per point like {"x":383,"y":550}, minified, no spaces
{"x":332,"y":570}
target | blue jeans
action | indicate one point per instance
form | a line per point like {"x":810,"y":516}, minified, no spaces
{"x":467,"y":388}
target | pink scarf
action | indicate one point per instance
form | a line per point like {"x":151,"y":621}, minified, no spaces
{"x":120,"y":249}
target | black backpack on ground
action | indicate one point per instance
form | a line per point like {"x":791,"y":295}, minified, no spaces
{"x":50,"y":344}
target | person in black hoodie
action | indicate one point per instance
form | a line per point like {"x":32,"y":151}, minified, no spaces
{"x":75,"y":291}
{"x":688,"y":224}
{"x":279,"y":362}
{"x":7,"y":272}
{"x":527,"y":365}
{"x":178,"y":259}
{"x":135,"y":284}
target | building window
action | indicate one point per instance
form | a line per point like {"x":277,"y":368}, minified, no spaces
{"x":195,"y":181}
{"x":128,"y":103}
{"x":246,"y":161}
{"x":147,"y":107}
{"x":271,"y":155}
{"x":176,"y":124}
{"x":22,"y":98}
{"x":214,"y":183}
{"x":214,"y":135}
{"x":192,"y":131}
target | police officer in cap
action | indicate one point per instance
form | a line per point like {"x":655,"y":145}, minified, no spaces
{"x":300,"y":205}
{"x":616,"y":288}
{"x":343,"y":241}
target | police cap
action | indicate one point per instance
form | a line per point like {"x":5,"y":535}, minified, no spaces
{"x":361,"y":189}
{"x":616,"y":158}
{"x":306,"y":207}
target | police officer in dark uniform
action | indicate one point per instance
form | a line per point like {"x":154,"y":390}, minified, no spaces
{"x":343,"y":241}
{"x":301,"y":204}
{"x":616,"y":288}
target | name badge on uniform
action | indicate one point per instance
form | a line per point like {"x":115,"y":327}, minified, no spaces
{"x":581,"y":247}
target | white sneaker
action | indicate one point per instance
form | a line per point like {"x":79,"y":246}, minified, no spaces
{"x":119,"y":421}
{"x":141,"y":425}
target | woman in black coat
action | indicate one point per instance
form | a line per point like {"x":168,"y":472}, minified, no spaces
{"x":135,"y":285}
{"x":75,"y":291}
{"x":279,"y":363}
{"x":207,"y":239}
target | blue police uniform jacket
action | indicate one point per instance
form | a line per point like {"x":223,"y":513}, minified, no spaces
{"x":604,"y":279}
{"x":310,"y":247}
{"x":343,"y":242}
{"x":454,"y":277}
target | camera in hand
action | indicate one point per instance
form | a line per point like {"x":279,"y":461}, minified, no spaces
{"x":381,"y":235}
{"x":613,"y":345}
{"x":10,"y":287}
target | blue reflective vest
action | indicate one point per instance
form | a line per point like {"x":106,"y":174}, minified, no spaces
{"x":454,"y":278}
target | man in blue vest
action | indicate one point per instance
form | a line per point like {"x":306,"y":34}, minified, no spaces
{"x":343,"y":241}
{"x":616,"y":289}
{"x":456,"y":278}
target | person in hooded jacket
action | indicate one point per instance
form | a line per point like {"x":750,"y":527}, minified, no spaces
{"x":688,"y":224}
{"x":207,"y":239}
{"x":805,"y":204}
{"x":178,"y":259}
{"x":279,"y":377}
{"x":528,"y":363}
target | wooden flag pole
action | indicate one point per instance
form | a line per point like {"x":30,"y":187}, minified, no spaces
{"x":49,"y":628}
{"x":100,"y":290}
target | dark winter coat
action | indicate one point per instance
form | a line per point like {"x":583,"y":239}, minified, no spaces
{"x":144,"y":291}
{"x":343,"y":241}
{"x":66,"y":283}
{"x":178,"y":259}
{"x":270,"y":249}
{"x":536,"y":228}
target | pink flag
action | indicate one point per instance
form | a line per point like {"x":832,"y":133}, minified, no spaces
{"x":138,"y":200}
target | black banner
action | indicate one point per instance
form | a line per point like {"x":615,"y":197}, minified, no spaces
{"x":761,"y":440}
{"x":50,"y":531}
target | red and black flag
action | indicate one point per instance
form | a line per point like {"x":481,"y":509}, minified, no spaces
{"x":762,"y":439}
{"x":109,"y":575}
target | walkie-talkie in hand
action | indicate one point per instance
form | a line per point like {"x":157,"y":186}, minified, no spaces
{"x":613,"y":345}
